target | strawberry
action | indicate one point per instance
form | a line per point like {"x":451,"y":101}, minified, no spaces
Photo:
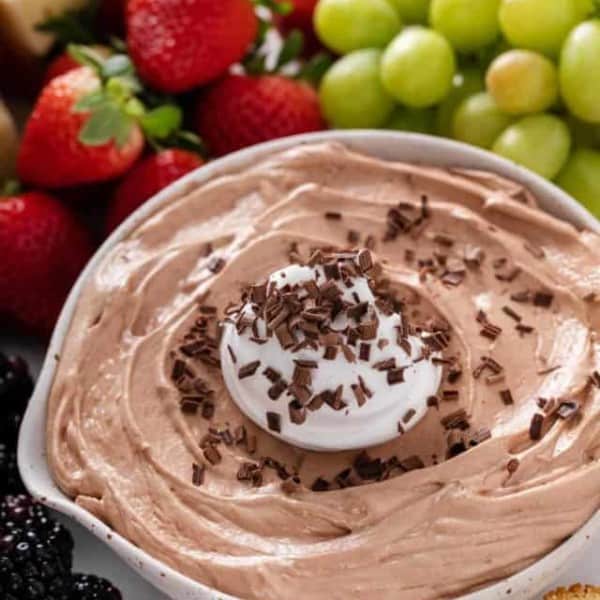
{"x":60,"y":65}
{"x":177,"y":45}
{"x":146,"y":179}
{"x":242,"y":110}
{"x":301,"y":18}
{"x":52,"y":152}
{"x":43,"y":249}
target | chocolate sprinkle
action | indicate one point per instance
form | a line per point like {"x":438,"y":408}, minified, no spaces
{"x":249,"y":369}
{"x":507,"y":397}
{"x":395,"y":376}
{"x":212,"y":455}
{"x":543,"y":299}
{"x":297,"y":412}
{"x":274,"y":422}
{"x":320,"y":485}
{"x":535,"y":428}
{"x":198,"y":474}
{"x":511,"y":313}
{"x":333,"y":216}
{"x":513,"y":465}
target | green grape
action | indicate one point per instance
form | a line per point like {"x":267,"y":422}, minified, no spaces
{"x":351,"y":92}
{"x":579,"y":71}
{"x":540,"y":25}
{"x":523,"y":82}
{"x":418,"y":66}
{"x":479,"y":121}
{"x":467,"y":82}
{"x":584,"y":8}
{"x":347,"y":25}
{"x":581,"y":178}
{"x":418,"y":120}
{"x":539,"y":142}
{"x":413,"y":11}
{"x":467,"y":25}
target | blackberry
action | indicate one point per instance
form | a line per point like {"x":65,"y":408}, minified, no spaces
{"x":16,"y":387}
{"x":36,"y":552}
{"x":90,"y":587}
{"x":10,"y":480}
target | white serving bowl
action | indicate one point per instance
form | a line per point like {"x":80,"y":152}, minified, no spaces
{"x":386,"y":145}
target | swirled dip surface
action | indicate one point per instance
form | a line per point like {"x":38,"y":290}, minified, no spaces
{"x":502,"y":468}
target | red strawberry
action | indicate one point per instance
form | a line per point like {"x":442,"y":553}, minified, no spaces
{"x":301,"y":17}
{"x":177,"y":45}
{"x":43,"y":249}
{"x":241,"y":110}
{"x":62,"y":64}
{"x":146,"y":179}
{"x":51,"y":153}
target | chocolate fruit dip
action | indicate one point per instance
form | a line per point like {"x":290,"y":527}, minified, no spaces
{"x":470,"y":315}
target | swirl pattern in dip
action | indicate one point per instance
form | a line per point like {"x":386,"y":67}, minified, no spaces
{"x":502,"y":468}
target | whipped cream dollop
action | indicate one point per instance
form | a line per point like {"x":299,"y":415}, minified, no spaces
{"x":316,"y":358}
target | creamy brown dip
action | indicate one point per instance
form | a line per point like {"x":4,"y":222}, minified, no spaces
{"x":120,"y":445}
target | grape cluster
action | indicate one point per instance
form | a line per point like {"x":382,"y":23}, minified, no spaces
{"x":518,"y":77}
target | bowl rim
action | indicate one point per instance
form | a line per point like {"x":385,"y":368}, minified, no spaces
{"x":32,"y":457}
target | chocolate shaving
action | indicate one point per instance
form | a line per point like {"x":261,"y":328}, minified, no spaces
{"x":543,"y":299}
{"x":450,"y":395}
{"x":320,"y":485}
{"x":277,"y":389}
{"x":408,"y":415}
{"x":412,"y":463}
{"x":208,"y":409}
{"x":513,"y":465}
{"x":330,"y":353}
{"x":568,"y":410}
{"x":456,"y":444}
{"x":198,"y":472}
{"x":456,"y":420}
{"x":212,"y":455}
{"x":506,"y":397}
{"x":333,"y":216}
{"x":395,"y":376}
{"x":522,"y":297}
{"x":385,"y":365}
{"x":216,"y":264}
{"x":249,"y":369}
{"x":364,"y":352}
{"x":353,"y":237}
{"x":535,"y":428}
{"x":297,"y":412}
{"x":511,"y":313}
{"x":274,"y":422}
{"x":302,"y":376}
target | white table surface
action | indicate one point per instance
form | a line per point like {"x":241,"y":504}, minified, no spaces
{"x":92,"y":556}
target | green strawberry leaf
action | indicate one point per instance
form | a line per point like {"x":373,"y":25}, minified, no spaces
{"x":86,"y":56}
{"x":315,"y":68}
{"x":115,"y":66}
{"x":74,"y":26}
{"x":162,"y":122}
{"x":189,"y":141}
{"x":105,"y":123}
{"x":123,"y":131}
{"x":291,"y":49}
{"x":89,"y":102}
{"x":279,"y":7}
{"x":11,"y":187}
